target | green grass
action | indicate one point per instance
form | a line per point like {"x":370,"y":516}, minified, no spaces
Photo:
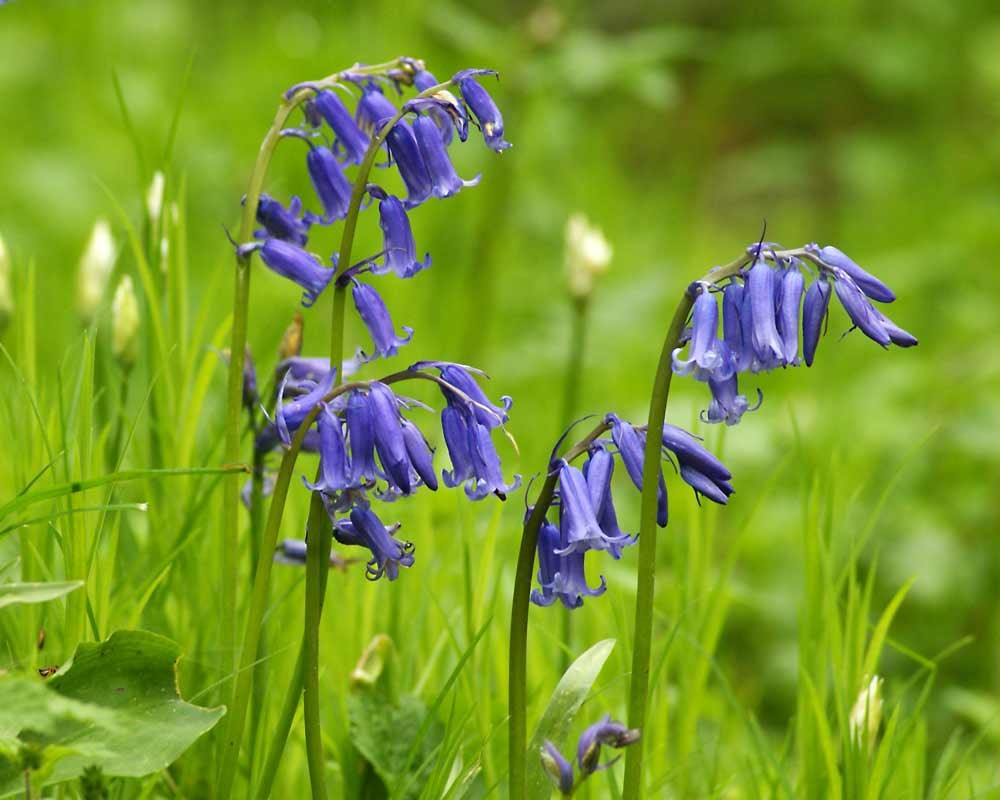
{"x":860,"y":539}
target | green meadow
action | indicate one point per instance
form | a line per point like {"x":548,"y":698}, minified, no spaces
{"x":861,"y":538}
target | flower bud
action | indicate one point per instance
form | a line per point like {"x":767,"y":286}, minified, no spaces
{"x":96,"y":265}
{"x":6,"y":296}
{"x":125,"y":324}
{"x":587,"y":255}
{"x":866,"y":716}
{"x":154,"y":197}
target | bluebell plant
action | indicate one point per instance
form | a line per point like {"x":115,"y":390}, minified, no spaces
{"x":603,"y":733}
{"x":369,"y":437}
{"x":770,"y":318}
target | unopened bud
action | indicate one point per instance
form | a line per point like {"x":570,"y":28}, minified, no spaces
{"x":154,"y":196}
{"x":866,"y":716}
{"x":588,"y":254}
{"x":96,"y":264}
{"x":125,"y":324}
{"x":372,"y":662}
{"x":557,"y":767}
{"x":6,"y":295}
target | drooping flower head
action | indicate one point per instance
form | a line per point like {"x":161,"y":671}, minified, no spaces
{"x":561,"y":575}
{"x":399,"y":248}
{"x":297,"y":265}
{"x":373,"y":312}
{"x":365,"y":529}
{"x":482,"y":107}
{"x":282,"y":223}
{"x":351,"y":143}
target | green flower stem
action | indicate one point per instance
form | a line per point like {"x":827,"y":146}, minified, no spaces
{"x":517,"y":675}
{"x":646,"y":579}
{"x":284,"y":724}
{"x":317,"y":546}
{"x":318,"y":538}
{"x":241,"y":298}
{"x":643,"y":630}
{"x":258,"y":605}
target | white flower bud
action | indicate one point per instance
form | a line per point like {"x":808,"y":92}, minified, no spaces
{"x":125,"y":323}
{"x":6,"y":294}
{"x":96,"y":264}
{"x":866,"y":716}
{"x":588,"y":254}
{"x":154,"y":196}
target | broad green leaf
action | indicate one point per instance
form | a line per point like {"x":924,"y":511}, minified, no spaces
{"x":566,"y":700}
{"x":12,"y":593}
{"x":383,"y":731}
{"x":116,"y":705}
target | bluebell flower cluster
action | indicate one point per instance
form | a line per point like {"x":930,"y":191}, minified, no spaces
{"x":369,"y":448}
{"x":764,"y":308}
{"x":587,"y":519}
{"x":603,"y":733}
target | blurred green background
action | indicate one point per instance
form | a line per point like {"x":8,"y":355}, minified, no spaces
{"x":678,"y":128}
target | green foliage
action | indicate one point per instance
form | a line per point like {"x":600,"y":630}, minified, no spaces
{"x":115,"y":706}
{"x":13,"y":593}
{"x":568,"y":696}
{"x":675,"y":127}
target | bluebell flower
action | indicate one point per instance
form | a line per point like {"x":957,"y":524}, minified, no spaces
{"x":291,"y":414}
{"x":792,"y":284}
{"x":331,"y":184}
{"x":482,"y":107}
{"x":631,"y":443}
{"x":716,"y":491}
{"x":397,"y":238}
{"x":577,"y":520}
{"x":598,"y":470}
{"x":282,"y":223}
{"x":365,"y":529}
{"x":351,"y":141}
{"x":858,"y":308}
{"x":334,"y":469}
{"x":474,"y":459}
{"x":814,"y":309}
{"x":361,"y":433}
{"x":298,"y":265}
{"x":865,"y":281}
{"x":445,"y":181}
{"x":420,"y":454}
{"x":688,"y":450}
{"x":424,"y":80}
{"x":406,"y":153}
{"x":561,"y":575}
{"x":897,"y":335}
{"x":375,"y":315}
{"x":557,"y":767}
{"x":603,"y":733}
{"x":388,"y":434}
{"x":732,"y":324}
{"x":459,"y":375}
{"x":728,"y":405}
{"x":706,"y":355}
{"x":767,"y":345}
{"x":374,"y":109}
{"x":486,"y":465}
